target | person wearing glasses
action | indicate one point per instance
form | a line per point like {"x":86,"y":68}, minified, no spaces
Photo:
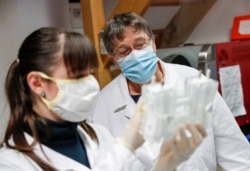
{"x":130,"y":44}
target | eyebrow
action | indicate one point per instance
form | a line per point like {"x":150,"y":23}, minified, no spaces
{"x":140,"y":38}
{"x":121,"y":46}
{"x":136,"y":40}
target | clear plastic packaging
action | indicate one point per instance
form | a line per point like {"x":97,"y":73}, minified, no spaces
{"x":166,"y":108}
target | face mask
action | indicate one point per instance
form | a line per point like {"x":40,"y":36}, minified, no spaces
{"x":75,"y":97}
{"x":140,"y":65}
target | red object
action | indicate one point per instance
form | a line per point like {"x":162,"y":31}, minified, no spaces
{"x":237,"y":53}
{"x":241,"y":28}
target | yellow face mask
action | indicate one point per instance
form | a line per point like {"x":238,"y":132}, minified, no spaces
{"x":75,"y":97}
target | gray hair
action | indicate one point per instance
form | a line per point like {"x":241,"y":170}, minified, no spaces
{"x":115,"y":27}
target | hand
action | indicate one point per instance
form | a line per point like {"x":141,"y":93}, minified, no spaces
{"x":175,"y":151}
{"x":131,"y":137}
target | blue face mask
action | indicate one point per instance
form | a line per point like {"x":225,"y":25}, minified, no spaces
{"x":140,"y":65}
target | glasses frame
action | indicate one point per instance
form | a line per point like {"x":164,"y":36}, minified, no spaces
{"x":139,"y":45}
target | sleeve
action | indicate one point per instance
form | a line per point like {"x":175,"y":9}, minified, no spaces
{"x":7,"y":167}
{"x":114,"y":156}
{"x":148,"y":153}
{"x":11,"y":160}
{"x":119,"y":158}
{"x":232,"y":147}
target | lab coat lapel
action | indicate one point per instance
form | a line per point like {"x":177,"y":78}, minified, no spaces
{"x":124,"y":103}
{"x":171,"y":79}
{"x":90,"y":145}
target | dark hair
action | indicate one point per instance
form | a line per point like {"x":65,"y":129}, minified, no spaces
{"x":39,"y":52}
{"x":115,"y":27}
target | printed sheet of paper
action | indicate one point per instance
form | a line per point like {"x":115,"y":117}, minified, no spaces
{"x":244,"y":27}
{"x":231,"y":88}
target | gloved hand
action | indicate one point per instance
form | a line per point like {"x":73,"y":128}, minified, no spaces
{"x":181,"y":147}
{"x":131,"y":137}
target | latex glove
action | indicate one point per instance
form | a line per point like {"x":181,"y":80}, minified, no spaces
{"x":131,"y":137}
{"x":180,"y":148}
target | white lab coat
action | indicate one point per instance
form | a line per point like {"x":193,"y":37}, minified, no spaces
{"x":225,"y":144}
{"x":105,"y":156}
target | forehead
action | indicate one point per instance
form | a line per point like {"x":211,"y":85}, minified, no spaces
{"x":131,"y":35}
{"x":59,"y":70}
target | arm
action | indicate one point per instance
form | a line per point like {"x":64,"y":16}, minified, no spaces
{"x":232,"y":147}
{"x":172,"y":152}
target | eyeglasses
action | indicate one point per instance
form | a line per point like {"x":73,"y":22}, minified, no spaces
{"x":125,"y":50}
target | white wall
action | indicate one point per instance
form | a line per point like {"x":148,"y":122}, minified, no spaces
{"x":18,"y":18}
{"x":216,"y":25}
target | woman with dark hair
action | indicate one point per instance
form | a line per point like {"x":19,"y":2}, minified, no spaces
{"x":51,"y":91}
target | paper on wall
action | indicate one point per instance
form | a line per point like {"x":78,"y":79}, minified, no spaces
{"x":231,"y":88}
{"x":244,"y":27}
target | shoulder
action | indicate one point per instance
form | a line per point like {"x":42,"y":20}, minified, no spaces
{"x":99,"y":128}
{"x":175,"y":74}
{"x":7,"y":153}
{"x":14,"y":160}
{"x":180,"y":69}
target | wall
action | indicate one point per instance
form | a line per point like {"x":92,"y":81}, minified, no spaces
{"x":216,"y":25}
{"x":20,"y":17}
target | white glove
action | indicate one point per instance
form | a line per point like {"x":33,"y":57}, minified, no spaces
{"x":131,"y":137}
{"x":175,"y":151}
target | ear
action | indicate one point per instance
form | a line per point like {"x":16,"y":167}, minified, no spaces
{"x":35,"y":82}
{"x":153,"y":43}
{"x":113,"y":60}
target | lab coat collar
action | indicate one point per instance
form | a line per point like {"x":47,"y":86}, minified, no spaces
{"x":170,"y":80}
{"x":91,"y":146}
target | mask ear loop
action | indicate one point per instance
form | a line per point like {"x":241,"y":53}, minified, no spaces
{"x":46,"y":76}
